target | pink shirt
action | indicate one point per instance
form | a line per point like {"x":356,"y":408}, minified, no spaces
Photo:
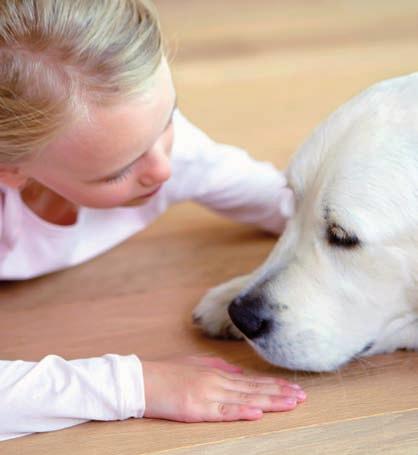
{"x":55,"y":393}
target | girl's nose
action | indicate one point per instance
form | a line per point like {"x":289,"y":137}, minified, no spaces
{"x":155,"y":167}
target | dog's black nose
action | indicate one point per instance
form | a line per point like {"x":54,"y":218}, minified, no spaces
{"x":249,"y":315}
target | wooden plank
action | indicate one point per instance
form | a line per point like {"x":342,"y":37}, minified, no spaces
{"x":394,"y":434}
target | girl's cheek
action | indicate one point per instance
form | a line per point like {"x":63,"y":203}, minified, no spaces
{"x":170,"y":140}
{"x":105,"y":196}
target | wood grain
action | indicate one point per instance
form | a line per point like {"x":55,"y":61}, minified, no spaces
{"x":260,"y":75}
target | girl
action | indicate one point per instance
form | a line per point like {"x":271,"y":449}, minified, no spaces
{"x":92,"y":149}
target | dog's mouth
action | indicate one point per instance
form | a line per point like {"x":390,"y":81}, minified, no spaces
{"x":363,"y":351}
{"x":285,"y":360}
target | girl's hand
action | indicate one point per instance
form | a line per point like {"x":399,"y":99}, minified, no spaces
{"x":206,"y":389}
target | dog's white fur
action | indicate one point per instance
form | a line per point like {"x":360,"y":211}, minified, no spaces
{"x":358,"y":172}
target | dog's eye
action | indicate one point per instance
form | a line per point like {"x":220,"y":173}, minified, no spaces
{"x":337,"y":236}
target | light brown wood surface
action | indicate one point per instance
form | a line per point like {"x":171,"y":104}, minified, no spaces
{"x":260,"y":75}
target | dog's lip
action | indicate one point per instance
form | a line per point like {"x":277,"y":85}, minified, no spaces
{"x":365,"y":349}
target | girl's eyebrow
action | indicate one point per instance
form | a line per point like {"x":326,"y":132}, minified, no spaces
{"x":120,"y":171}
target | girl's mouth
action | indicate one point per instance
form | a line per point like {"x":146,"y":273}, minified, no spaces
{"x":152,"y":192}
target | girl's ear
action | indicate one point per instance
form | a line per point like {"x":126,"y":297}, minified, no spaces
{"x":12,"y":176}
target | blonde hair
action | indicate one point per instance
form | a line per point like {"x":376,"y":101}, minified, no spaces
{"x":59,"y":56}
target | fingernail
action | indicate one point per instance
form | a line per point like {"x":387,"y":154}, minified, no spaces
{"x":301,"y":395}
{"x":290,"y":401}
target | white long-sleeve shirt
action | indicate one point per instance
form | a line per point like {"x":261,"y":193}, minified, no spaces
{"x":54,"y":393}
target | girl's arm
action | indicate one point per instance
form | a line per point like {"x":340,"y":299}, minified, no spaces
{"x":226,"y":179}
{"x":55,"y":393}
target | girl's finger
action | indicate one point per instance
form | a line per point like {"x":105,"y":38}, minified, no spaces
{"x":263,"y":380}
{"x":225,"y":412}
{"x":267,"y":403}
{"x":253,"y":387}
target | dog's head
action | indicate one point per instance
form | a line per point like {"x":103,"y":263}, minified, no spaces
{"x":342,"y":282}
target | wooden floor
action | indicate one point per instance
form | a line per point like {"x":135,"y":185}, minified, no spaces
{"x":260,"y":75}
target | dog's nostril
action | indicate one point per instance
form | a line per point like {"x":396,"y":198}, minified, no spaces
{"x":248,"y":318}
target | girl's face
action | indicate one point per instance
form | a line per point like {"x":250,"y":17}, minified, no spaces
{"x":120,"y":157}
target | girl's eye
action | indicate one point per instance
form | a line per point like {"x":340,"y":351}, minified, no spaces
{"x":120,"y":177}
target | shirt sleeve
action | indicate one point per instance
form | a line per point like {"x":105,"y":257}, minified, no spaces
{"x":54,"y":393}
{"x":227,"y":180}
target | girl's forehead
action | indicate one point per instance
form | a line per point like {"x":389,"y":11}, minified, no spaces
{"x":113,"y":136}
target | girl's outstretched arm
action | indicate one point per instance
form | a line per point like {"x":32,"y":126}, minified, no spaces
{"x":55,"y":393}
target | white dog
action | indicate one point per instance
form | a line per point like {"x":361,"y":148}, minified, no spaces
{"x":342,"y":282}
